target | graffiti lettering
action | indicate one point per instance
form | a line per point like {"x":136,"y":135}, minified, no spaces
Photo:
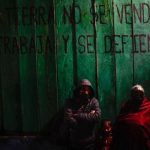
{"x":85,"y":43}
{"x":70,"y":15}
{"x":132,"y":13}
{"x":100,"y":14}
{"x":29,"y":15}
{"x":116,"y":43}
{"x":24,"y":45}
{"x":65,"y":39}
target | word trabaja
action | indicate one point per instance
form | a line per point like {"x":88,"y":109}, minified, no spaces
{"x":25,"y":45}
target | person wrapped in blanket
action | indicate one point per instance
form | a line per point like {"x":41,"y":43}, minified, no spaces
{"x":131,"y":130}
{"x":81,"y":115}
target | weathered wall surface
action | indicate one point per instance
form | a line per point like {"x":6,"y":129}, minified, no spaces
{"x":47,"y":46}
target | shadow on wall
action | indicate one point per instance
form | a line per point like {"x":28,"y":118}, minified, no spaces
{"x":52,"y":129}
{"x":48,"y":139}
{"x":51,"y":137}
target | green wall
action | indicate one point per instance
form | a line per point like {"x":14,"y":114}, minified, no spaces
{"x":47,"y":46}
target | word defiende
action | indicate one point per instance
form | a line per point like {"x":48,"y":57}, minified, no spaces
{"x":137,"y":43}
{"x":140,"y":43}
{"x":124,"y":13}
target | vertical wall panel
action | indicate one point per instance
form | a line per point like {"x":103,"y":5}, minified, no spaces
{"x":41,"y":29}
{"x":142,"y":43}
{"x":28,"y":76}
{"x":65,"y":48}
{"x":106,"y":59}
{"x":123,"y":50}
{"x":51,"y":64}
{"x":85,"y":41}
{"x":10,"y":89}
{"x":45,"y":63}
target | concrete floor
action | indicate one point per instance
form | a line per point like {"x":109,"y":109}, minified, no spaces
{"x":27,"y":143}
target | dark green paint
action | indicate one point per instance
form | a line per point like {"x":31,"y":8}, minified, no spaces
{"x":35,"y":86}
{"x":124,"y":61}
{"x":106,"y":63}
{"x":10,"y":88}
{"x":28,"y":79}
{"x":65,"y":69}
{"x":141,"y":60}
{"x":85,"y":43}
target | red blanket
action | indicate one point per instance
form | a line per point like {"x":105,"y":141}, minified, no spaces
{"x":132,"y":128}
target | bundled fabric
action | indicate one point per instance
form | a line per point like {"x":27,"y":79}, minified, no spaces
{"x":132,"y":127}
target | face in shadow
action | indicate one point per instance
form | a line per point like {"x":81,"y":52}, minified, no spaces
{"x":83,"y":94}
{"x":137,"y":97}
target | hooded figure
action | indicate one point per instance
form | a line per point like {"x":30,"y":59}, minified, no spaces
{"x":82,"y":113}
{"x":132,"y":128}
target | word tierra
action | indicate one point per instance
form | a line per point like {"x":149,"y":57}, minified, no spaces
{"x":28,"y":16}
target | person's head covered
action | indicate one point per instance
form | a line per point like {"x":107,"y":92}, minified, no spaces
{"x":84,"y":90}
{"x":137,"y":93}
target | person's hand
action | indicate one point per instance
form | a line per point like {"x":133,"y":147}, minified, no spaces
{"x":92,"y":112}
{"x":69,"y":112}
{"x":75,"y":115}
{"x":73,"y":122}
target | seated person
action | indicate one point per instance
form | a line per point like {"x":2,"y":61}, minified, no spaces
{"x":82,"y":113}
{"x":132,"y":127}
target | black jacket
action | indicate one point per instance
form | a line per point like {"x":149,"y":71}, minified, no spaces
{"x":81,"y":120}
